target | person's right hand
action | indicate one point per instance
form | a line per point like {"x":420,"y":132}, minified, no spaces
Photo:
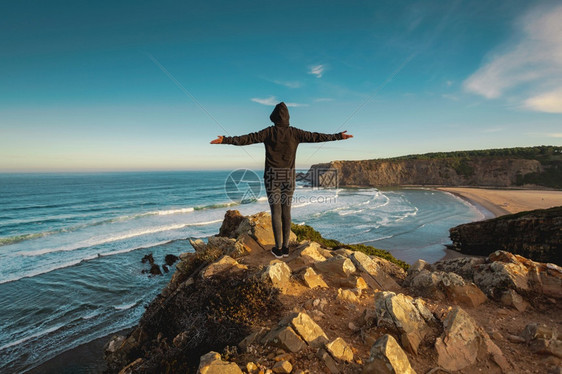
{"x":217,"y":140}
{"x":345,"y":136}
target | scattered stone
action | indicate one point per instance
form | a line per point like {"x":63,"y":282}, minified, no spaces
{"x":339,"y":350}
{"x":400,"y":313}
{"x":464,"y":342}
{"x":252,"y":368}
{"x":511,"y":298}
{"x":165,"y":268}
{"x":313,"y":280}
{"x":542,"y":339}
{"x":254,"y":337}
{"x":308,"y":330}
{"x":310,"y":250}
{"x":354,"y":282}
{"x":337,"y":265}
{"x":387,"y":357}
{"x":211,"y":363}
{"x":285,"y":338}
{"x":279,"y":273}
{"x":374,"y":274}
{"x":347,"y":295}
{"x":282,"y":367}
{"x":222,"y":264}
{"x":515,"y":338}
{"x":329,"y":361}
{"x":114,"y":344}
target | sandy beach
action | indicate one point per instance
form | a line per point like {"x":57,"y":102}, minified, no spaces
{"x":501,"y":201}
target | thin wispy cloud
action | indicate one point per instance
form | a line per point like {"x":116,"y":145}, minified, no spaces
{"x":288,"y":84}
{"x":533,"y":64}
{"x":272,"y":101}
{"x":317,"y":70}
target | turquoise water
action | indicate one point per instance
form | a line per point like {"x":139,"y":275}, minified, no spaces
{"x":71,"y":244}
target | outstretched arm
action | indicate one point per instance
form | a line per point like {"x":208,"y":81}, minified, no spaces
{"x":218,"y":140}
{"x":252,"y":138}
{"x":317,"y":137}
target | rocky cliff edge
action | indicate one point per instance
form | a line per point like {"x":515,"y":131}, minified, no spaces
{"x":231,"y":308}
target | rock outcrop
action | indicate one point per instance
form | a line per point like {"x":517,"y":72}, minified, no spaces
{"x":536,"y":235}
{"x":231,"y":308}
{"x":478,"y":171}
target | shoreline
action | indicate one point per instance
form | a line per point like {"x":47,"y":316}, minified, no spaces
{"x":500,"y":202}
{"x":85,"y":358}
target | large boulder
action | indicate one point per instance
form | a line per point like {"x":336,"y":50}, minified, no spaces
{"x":307,"y":329}
{"x":222,"y":264}
{"x":440,"y":285}
{"x":258,"y":226}
{"x":338,"y":265}
{"x":408,"y":317}
{"x":279,"y":273}
{"x":340,"y":350}
{"x":374,"y":275}
{"x":463,"y":343}
{"x":505,"y":270}
{"x":387,"y":357}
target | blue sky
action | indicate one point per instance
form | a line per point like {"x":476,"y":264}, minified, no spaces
{"x":140,"y":85}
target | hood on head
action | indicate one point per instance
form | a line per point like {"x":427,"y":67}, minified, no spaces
{"x":280,"y":115}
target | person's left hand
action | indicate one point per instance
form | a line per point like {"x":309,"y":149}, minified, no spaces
{"x":345,"y":136}
{"x":217,"y":140}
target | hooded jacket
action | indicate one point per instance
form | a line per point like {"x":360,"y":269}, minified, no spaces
{"x":281,"y":141}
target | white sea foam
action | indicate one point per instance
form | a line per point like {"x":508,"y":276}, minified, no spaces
{"x":36,"y":335}
{"x":119,"y":237}
{"x":125,"y":306}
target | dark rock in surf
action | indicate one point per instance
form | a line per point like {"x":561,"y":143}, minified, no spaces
{"x":148,"y":258}
{"x":155,"y":270}
{"x":170,"y":259}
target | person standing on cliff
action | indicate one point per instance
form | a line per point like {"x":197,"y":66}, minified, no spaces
{"x":281,"y":142}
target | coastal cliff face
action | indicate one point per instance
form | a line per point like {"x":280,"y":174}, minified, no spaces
{"x":493,"y":172}
{"x":536,"y":234}
{"x":231,"y":308}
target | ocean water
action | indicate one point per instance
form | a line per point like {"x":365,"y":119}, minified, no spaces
{"x":71,"y":244}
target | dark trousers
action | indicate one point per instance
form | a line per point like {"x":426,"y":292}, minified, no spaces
{"x":279,"y":196}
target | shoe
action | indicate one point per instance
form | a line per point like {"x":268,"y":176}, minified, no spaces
{"x":285,"y":251}
{"x":276,"y":252}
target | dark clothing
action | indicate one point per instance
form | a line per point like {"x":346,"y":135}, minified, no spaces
{"x":280,"y":198}
{"x":281,"y":142}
